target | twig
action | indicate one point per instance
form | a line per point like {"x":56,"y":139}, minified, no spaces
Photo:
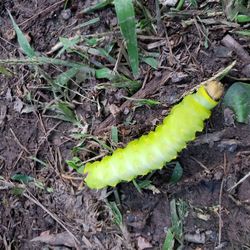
{"x":239,"y":182}
{"x":232,"y":44}
{"x":19,"y":143}
{"x":94,"y":158}
{"x":201,"y":164}
{"x":220,"y":208}
{"x":18,"y":159}
{"x":49,"y":8}
{"x":219,"y":214}
{"x":118,"y":58}
{"x":30,"y":196}
{"x":217,"y":76}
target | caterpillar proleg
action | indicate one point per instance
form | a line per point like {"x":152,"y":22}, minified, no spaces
{"x":152,"y":151}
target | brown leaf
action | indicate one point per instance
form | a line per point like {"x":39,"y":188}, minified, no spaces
{"x":63,"y":238}
{"x":143,"y":243}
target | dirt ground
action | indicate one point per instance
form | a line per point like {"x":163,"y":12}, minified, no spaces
{"x":53,"y":209}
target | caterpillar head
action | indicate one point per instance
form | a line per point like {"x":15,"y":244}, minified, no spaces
{"x":214,"y":89}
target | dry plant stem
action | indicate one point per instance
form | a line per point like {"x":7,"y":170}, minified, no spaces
{"x":29,"y":196}
{"x":220,"y":210}
{"x":220,"y":201}
{"x":41,"y":12}
{"x":201,"y":164}
{"x":94,"y":158}
{"x":19,"y":143}
{"x":239,"y":203}
{"x":239,"y":182}
{"x":216,"y":76}
{"x":118,"y":58}
{"x":232,"y":44}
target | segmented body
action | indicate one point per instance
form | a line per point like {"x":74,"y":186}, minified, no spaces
{"x":152,"y":151}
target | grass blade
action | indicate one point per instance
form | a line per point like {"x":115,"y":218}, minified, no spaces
{"x":97,"y":6}
{"x":88,"y":23}
{"x":126,"y":17}
{"x":169,"y":241}
{"x":243,"y":32}
{"x":114,"y":134}
{"x":62,"y":80}
{"x":5,"y":71}
{"x":177,"y":173}
{"x":67,"y":44}
{"x":40,"y":60}
{"x":22,"y":40}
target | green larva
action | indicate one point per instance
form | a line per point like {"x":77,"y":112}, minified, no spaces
{"x":152,"y":151}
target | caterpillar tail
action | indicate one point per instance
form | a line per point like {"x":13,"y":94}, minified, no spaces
{"x":152,"y":151}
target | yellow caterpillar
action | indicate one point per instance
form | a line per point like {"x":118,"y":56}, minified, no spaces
{"x":152,"y":151}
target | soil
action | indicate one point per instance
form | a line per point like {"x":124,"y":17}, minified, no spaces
{"x":52,"y":209}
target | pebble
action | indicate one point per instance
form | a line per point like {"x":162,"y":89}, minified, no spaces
{"x":66,"y":14}
{"x":198,"y":238}
{"x":178,"y":77}
{"x":229,"y":145}
{"x":169,"y":2}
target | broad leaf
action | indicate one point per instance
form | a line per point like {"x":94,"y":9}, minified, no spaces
{"x":237,"y":98}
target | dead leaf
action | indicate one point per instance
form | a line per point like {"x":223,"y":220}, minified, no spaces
{"x":8,"y":95}
{"x":209,"y":138}
{"x":114,"y":110}
{"x":143,"y":243}
{"x":18,"y":105}
{"x":229,"y":117}
{"x":63,"y":239}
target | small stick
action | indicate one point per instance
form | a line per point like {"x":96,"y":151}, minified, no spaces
{"x":201,"y":164}
{"x":232,"y":44}
{"x":239,"y":182}
{"x":19,"y":143}
{"x":30,"y":196}
{"x":219,"y":214}
{"x":40,"y":12}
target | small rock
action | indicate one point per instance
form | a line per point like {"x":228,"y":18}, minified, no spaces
{"x":218,"y":175}
{"x":8,"y":95}
{"x":66,"y":14}
{"x":143,"y":243}
{"x":229,"y":117}
{"x":222,"y":52}
{"x":136,"y":219}
{"x":229,"y":145}
{"x":18,"y":105}
{"x":198,"y":238}
{"x":114,"y":110}
{"x":113,"y":21}
{"x":178,"y":77}
{"x":126,"y":111}
{"x":202,"y":216}
{"x":169,"y":2}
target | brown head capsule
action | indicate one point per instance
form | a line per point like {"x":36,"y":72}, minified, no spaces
{"x":215,"y":89}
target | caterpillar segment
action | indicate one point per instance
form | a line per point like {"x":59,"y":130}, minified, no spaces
{"x":152,"y":151}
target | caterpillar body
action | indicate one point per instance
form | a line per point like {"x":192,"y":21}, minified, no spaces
{"x":152,"y":151}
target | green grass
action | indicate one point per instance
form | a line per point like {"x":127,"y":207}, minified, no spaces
{"x":126,"y":17}
{"x":174,"y":235}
